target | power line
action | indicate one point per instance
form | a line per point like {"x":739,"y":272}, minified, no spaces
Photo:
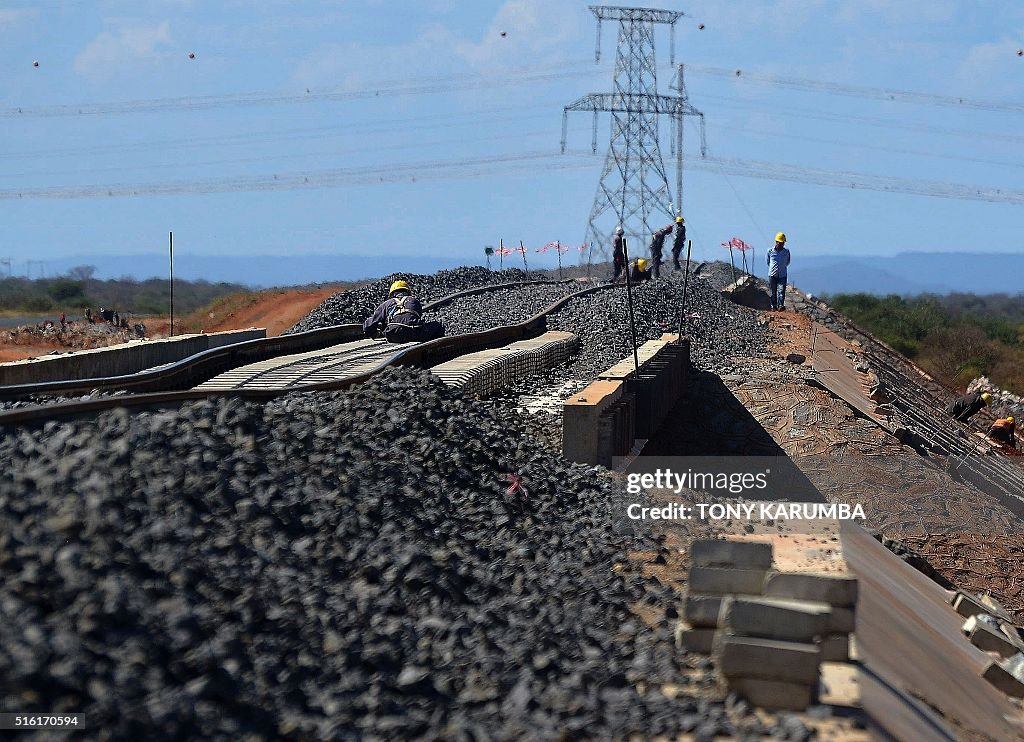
{"x":496,"y":166}
{"x":364,"y":175}
{"x":818,"y":115}
{"x":452,"y":83}
{"x":859,"y":91}
{"x":440,"y":121}
{"x":356,"y":149}
{"x":750,"y":215}
{"x":873,"y":147}
{"x":857,"y":181}
{"x":471,"y":81}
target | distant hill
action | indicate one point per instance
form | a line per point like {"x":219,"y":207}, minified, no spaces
{"x":845,"y":276}
{"x":257,"y":271}
{"x":910,"y":274}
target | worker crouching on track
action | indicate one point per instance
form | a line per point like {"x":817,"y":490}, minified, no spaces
{"x":639,"y":270}
{"x":965,"y":407}
{"x":400,"y":318}
{"x":1004,"y":430}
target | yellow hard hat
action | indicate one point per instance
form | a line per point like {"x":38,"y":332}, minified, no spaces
{"x":780,"y":237}
{"x":1010,"y":419}
{"x":398,"y":286}
{"x":986,"y":397}
{"x":641,"y":264}
{"x":679,"y":220}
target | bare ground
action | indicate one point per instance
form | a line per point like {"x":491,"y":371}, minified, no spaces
{"x":275,"y":309}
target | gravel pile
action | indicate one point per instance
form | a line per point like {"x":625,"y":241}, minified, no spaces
{"x":719,"y":329}
{"x":718,"y":273}
{"x":500,"y":307}
{"x":349,"y":307}
{"x":346,"y":565}
{"x":727,"y":338}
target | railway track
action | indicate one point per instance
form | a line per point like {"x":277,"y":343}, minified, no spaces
{"x":919,"y":401}
{"x":192,"y":371}
{"x":318,"y":366}
{"x":262,"y":369}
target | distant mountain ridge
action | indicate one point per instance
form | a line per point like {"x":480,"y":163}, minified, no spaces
{"x":906,"y":274}
{"x":258,"y":271}
{"x":910,"y":274}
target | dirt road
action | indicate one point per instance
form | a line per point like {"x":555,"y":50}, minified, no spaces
{"x":274,"y":309}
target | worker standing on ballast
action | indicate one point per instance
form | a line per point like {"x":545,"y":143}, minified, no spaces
{"x":778,"y":269}
{"x":1004,"y":430}
{"x":657,"y":247}
{"x":400,"y":318}
{"x":680,"y":242}
{"x":967,"y":406}
{"x":618,"y":253}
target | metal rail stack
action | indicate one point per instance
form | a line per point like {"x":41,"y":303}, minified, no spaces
{"x":969,"y":458}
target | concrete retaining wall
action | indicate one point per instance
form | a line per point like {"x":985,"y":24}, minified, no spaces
{"x":605,"y":419}
{"x":119,"y":360}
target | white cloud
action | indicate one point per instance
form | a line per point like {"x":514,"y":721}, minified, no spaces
{"x":898,"y":11}
{"x":990,"y":69}
{"x":357,"y":64}
{"x":537,"y":32}
{"x":10,"y":16}
{"x":737,"y":18}
{"x":123,"y":44}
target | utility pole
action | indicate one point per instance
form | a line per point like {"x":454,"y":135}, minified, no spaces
{"x":40,"y":263}
{"x":634,"y":187}
{"x":632,"y":314}
{"x":170,"y":245}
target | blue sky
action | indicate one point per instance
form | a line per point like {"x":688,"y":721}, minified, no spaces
{"x":361,"y":98}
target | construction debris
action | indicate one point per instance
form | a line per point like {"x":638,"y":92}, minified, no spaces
{"x":76,"y":335}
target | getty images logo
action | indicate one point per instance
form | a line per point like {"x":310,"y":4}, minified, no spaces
{"x":666,"y":479}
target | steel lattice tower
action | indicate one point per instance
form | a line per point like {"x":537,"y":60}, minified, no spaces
{"x":634,"y":184}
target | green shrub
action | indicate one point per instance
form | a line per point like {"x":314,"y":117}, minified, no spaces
{"x":956,"y":337}
{"x":64,"y":290}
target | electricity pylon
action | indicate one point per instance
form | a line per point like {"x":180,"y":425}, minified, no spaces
{"x":634,"y":185}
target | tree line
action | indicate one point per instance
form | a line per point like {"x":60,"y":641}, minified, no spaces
{"x":78,"y":289}
{"x":956,"y":337}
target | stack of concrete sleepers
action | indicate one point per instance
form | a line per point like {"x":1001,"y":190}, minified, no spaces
{"x":768,"y":631}
{"x":486,"y":371}
{"x":990,"y":628}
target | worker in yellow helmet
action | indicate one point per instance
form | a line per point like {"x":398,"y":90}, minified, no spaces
{"x":967,"y":406}
{"x":778,"y":264}
{"x":680,"y":241}
{"x":1004,"y":430}
{"x":400,"y":318}
{"x":640,"y":270}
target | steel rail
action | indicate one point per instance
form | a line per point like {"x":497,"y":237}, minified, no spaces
{"x":423,"y":355}
{"x":203,"y":366}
